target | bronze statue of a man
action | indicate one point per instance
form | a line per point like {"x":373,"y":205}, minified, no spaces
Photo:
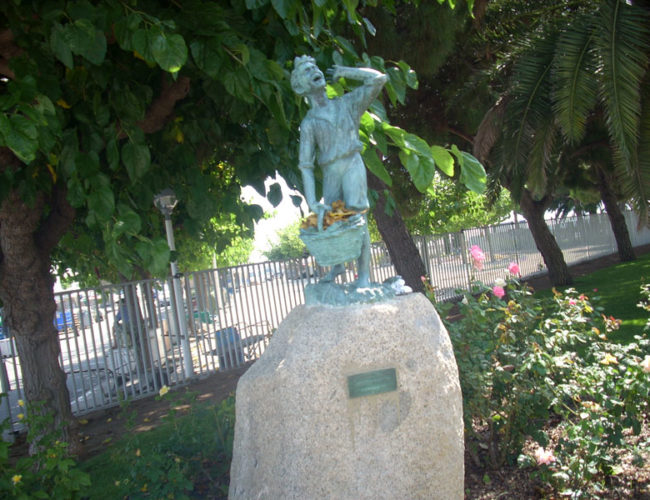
{"x":329,"y":135}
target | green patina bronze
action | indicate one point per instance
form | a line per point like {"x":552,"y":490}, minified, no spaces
{"x":374,"y":382}
{"x":329,"y":136}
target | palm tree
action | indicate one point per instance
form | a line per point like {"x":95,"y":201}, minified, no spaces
{"x":578,"y":74}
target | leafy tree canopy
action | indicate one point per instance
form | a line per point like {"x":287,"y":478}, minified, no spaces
{"x":106,"y":104}
{"x":448,"y":207}
{"x":289,"y":244}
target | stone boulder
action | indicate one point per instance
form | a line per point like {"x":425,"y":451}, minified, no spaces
{"x":354,"y":402}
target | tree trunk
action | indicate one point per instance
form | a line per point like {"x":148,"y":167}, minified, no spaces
{"x":401,"y":248}
{"x":616,"y":218}
{"x":558,"y":271}
{"x":27,"y":293}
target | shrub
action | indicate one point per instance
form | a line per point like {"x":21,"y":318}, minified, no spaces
{"x":50,"y":472}
{"x":528,"y":365}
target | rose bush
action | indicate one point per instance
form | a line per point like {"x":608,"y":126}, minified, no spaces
{"x":529,"y":366}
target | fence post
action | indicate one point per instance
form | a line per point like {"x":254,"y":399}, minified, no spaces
{"x":515,"y":230}
{"x":463,"y":252}
{"x":585,"y":233}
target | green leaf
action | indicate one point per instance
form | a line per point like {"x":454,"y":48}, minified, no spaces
{"x":398,"y":84}
{"x":395,"y":133}
{"x":44,"y":106}
{"x":274,"y":194}
{"x":137,"y":159}
{"x":376,"y":166}
{"x":417,"y":144}
{"x":87,"y":41}
{"x":367,"y":122}
{"x":86,"y":165}
{"x":142,"y":44}
{"x":101,"y":203}
{"x":378,"y":139}
{"x":444,"y":160}
{"x":60,"y":45}
{"x":410,"y":76}
{"x":20,"y":135}
{"x":237,"y":84}
{"x":421,"y":171}
{"x":76,"y":192}
{"x":255,"y":4}
{"x":124,"y":29}
{"x":207,"y":56}
{"x":128,"y":223}
{"x":351,"y":7}
{"x":296,"y":200}
{"x":169,"y":51}
{"x":472,"y":173}
{"x":282,"y":7}
{"x":158,"y":257}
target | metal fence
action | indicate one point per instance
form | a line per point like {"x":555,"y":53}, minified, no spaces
{"x":126,"y":341}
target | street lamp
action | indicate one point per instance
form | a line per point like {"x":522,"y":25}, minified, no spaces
{"x":165,"y":201}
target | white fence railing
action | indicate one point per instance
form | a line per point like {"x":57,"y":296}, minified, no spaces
{"x":125,"y":341}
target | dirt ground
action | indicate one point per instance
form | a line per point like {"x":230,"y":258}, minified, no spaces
{"x":105,"y":426}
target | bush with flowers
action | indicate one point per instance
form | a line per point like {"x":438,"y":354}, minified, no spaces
{"x":541,"y":375}
{"x":50,"y":472}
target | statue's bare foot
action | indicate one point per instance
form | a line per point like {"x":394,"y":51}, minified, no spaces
{"x":333,"y":273}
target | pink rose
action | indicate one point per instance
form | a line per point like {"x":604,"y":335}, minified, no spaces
{"x":498,"y":291}
{"x":513,"y":268}
{"x":477,"y":253}
{"x":572,"y":302}
{"x":477,"y":256}
{"x":544,"y":457}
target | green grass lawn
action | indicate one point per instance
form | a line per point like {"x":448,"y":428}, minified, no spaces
{"x":188,"y":453}
{"x":617,"y":290}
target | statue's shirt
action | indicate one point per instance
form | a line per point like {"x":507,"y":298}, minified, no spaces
{"x":332,"y":131}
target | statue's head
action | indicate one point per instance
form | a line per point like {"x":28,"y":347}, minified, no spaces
{"x":306,"y":76}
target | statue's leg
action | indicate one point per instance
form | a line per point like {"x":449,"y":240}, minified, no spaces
{"x":355,"y":192}
{"x":363,"y":263}
{"x":333,"y":273}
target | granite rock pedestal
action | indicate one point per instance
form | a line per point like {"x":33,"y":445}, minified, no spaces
{"x":353,"y":402}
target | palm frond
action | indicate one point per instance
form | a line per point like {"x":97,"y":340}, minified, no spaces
{"x":542,"y":158}
{"x":575,"y":78}
{"x":640,"y":182}
{"x":530,"y":110}
{"x":623,"y":43}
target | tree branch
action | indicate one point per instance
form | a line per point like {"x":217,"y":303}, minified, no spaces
{"x":58,"y":221}
{"x":8,"y":49}
{"x":162,"y":107}
{"x":460,"y":134}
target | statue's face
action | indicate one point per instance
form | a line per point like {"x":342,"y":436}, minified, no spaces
{"x":311,"y":77}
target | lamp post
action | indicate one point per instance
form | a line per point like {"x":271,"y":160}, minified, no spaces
{"x":165,"y":201}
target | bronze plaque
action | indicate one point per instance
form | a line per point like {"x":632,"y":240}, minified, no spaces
{"x":374,"y":382}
